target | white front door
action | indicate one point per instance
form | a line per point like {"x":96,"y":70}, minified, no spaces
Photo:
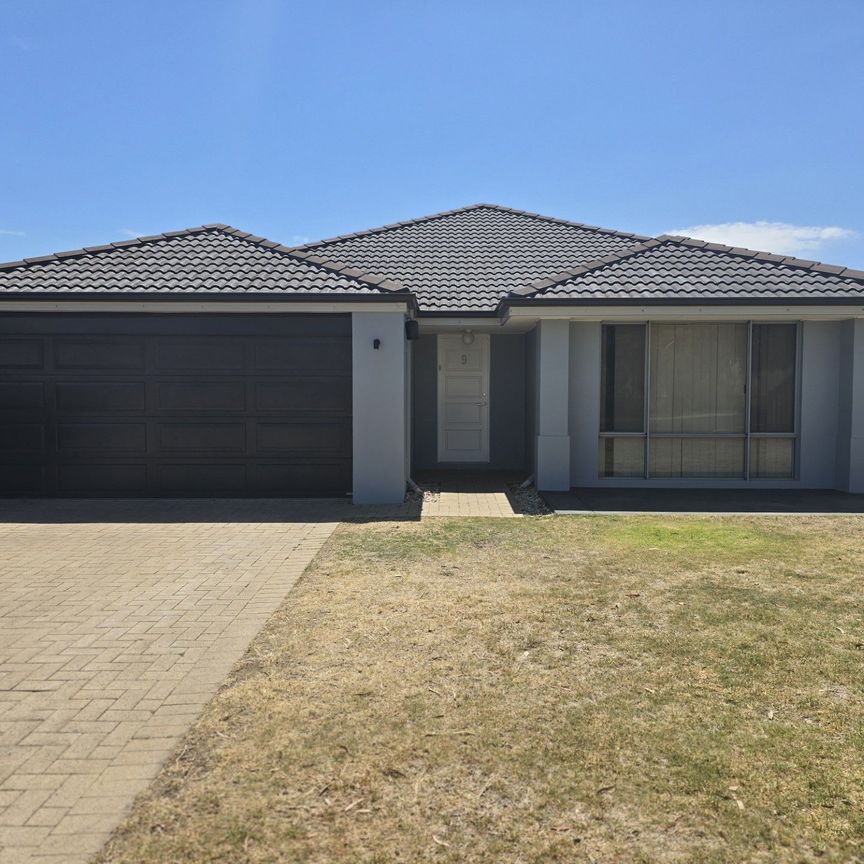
{"x":463,"y":398}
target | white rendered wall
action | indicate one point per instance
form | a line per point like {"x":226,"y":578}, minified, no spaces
{"x":553,"y":410}
{"x":820,"y":403}
{"x":380,"y":411}
{"x":852,"y":401}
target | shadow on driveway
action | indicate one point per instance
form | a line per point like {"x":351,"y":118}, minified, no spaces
{"x":190,"y":510}
{"x":801,"y":501}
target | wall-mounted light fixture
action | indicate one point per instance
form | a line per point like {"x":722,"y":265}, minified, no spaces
{"x":376,"y":344}
{"x":412,"y":330}
{"x":467,"y":337}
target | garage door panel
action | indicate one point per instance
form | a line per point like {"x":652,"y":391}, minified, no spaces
{"x":102,"y":479}
{"x":22,"y":437}
{"x":101,"y":396}
{"x":101,"y":437}
{"x":306,"y":478}
{"x":201,"y":396}
{"x":22,"y":396}
{"x":191,"y":405}
{"x":203,"y":355}
{"x":303,"y":354}
{"x":303,"y":438}
{"x":217,"y":478}
{"x":308,"y":395}
{"x":98,"y":355}
{"x":24,"y":480}
{"x":21,"y":354}
{"x":201,"y":437}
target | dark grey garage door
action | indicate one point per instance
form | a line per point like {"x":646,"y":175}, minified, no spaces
{"x":198,"y":405}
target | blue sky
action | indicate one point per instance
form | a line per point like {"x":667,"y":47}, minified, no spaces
{"x":305,"y":120}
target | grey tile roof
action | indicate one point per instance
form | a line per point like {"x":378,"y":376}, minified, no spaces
{"x":210,"y":260}
{"x":469,"y":259}
{"x":679,"y":268}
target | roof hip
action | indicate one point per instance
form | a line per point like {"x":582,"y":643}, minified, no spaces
{"x":444,"y":214}
{"x":379,"y":282}
{"x":542,"y":285}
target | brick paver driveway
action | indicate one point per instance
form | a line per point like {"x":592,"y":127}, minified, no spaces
{"x":118,"y":621}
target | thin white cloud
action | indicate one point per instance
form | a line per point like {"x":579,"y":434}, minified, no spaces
{"x":298,"y":240}
{"x":779,"y":237}
{"x":130,"y":233}
{"x":8,"y":233}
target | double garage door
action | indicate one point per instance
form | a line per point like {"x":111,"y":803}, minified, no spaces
{"x":175,"y":405}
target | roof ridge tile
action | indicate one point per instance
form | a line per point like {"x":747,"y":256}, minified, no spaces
{"x":85,"y":251}
{"x":772,"y":257}
{"x":444,"y":214}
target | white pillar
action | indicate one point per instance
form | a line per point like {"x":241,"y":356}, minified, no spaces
{"x":553,"y":395}
{"x":855,"y":406}
{"x":380,"y":409}
{"x":820,"y":459}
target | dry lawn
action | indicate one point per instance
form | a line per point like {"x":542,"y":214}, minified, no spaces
{"x":557,"y":689}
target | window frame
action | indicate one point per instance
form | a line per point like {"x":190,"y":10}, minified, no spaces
{"x":747,"y":435}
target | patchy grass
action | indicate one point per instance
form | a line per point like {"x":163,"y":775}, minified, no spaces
{"x":559,"y":689}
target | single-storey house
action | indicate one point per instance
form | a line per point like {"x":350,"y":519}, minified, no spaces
{"x":210,"y":362}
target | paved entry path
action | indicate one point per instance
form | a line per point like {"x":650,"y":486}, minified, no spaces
{"x":118,"y":622}
{"x":463,"y":494}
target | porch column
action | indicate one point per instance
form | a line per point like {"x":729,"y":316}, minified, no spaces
{"x":553,"y":397}
{"x":852,"y":395}
{"x":380,"y":391}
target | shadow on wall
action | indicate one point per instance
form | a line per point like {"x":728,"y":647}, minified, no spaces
{"x":507,"y":398}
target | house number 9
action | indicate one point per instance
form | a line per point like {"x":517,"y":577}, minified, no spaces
{"x":464,"y":359}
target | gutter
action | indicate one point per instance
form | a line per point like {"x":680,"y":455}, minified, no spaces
{"x":141,"y":301}
{"x":682,"y":301}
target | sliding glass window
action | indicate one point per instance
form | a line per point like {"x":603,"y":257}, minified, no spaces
{"x":773,"y":400}
{"x":622,"y":413}
{"x":675,"y":403}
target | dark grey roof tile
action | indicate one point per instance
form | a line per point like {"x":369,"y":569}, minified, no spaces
{"x":464,"y":260}
{"x":203,"y":260}
{"x":680,"y":269}
{"x":469,"y":259}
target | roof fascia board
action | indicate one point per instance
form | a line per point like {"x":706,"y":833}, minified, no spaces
{"x":713,"y":312}
{"x":286,"y":307}
{"x":457,"y":313}
{"x":457,"y":319}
